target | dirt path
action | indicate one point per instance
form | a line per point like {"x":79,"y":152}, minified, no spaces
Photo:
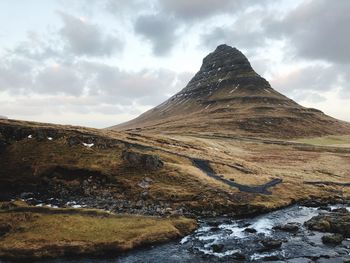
{"x":259,"y":189}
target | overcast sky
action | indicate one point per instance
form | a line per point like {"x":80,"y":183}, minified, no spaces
{"x":102,"y":62}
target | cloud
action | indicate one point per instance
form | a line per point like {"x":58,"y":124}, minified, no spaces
{"x":159,"y":30}
{"x":58,"y":79}
{"x":146,"y":87}
{"x":15,"y":75}
{"x":201,"y":9}
{"x":84,"y":38}
{"x":315,"y":78}
{"x":316,"y":29}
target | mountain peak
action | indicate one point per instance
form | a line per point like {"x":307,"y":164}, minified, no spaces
{"x":226,"y":95}
{"x":225,"y":55}
{"x":224,"y":66}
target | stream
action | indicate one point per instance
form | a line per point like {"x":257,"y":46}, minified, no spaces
{"x":229,"y":240}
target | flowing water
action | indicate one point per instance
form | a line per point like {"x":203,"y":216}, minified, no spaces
{"x":224,"y":240}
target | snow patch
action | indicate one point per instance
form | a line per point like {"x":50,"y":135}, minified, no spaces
{"x":89,"y":145}
{"x":49,"y":138}
{"x":234,"y":89}
{"x":30,"y":136}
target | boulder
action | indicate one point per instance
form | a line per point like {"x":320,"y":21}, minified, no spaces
{"x":331,"y":222}
{"x":340,"y":210}
{"x":289,"y":227}
{"x":334,"y":239}
{"x":143,"y":161}
{"x":217,"y":248}
{"x":250,"y":230}
{"x":271,"y":243}
{"x":238,"y":256}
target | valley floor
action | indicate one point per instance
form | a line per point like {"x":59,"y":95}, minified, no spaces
{"x":167,"y":175}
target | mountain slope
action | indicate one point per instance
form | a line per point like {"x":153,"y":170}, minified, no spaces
{"x":227,"y":96}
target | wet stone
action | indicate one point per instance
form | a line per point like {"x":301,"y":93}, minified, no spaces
{"x":334,"y":239}
{"x":290,"y":227}
{"x":217,"y":248}
{"x":250,"y":230}
{"x":271,"y":243}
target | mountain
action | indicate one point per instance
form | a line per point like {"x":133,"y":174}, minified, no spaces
{"x":227,"y":96}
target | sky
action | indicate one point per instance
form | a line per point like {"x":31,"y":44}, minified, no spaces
{"x":98,"y":63}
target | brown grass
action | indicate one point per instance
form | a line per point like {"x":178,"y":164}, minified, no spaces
{"x":52,"y":233}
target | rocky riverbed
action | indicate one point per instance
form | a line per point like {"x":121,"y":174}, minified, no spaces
{"x":286,"y":235}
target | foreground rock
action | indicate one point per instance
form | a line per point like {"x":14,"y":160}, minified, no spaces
{"x":334,"y":222}
{"x":334,"y":239}
{"x":40,"y":232}
{"x":271,"y":244}
{"x":290,"y":227}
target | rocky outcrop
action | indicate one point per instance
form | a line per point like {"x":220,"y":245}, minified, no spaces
{"x":331,"y":222}
{"x":142,"y":161}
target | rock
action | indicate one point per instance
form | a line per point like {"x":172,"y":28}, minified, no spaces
{"x":318,"y":225}
{"x":325,"y":208}
{"x":144,"y":185}
{"x":73,"y":141}
{"x":217,"y":248}
{"x":139,"y":204}
{"x":271,"y":243}
{"x":214,"y":223}
{"x":250,"y":230}
{"x":331,"y":222}
{"x":238,"y":256}
{"x":26,"y":195}
{"x":340,"y":210}
{"x":144,"y":195}
{"x":299,"y":260}
{"x":148,"y":180}
{"x":4,"y":229}
{"x":334,"y":239}
{"x":144,"y":161}
{"x":289,"y":227}
{"x":313,"y":203}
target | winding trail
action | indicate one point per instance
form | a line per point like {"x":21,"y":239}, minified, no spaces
{"x":259,"y":189}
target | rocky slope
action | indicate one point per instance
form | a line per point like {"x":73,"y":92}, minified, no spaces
{"x":228,"y":96}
